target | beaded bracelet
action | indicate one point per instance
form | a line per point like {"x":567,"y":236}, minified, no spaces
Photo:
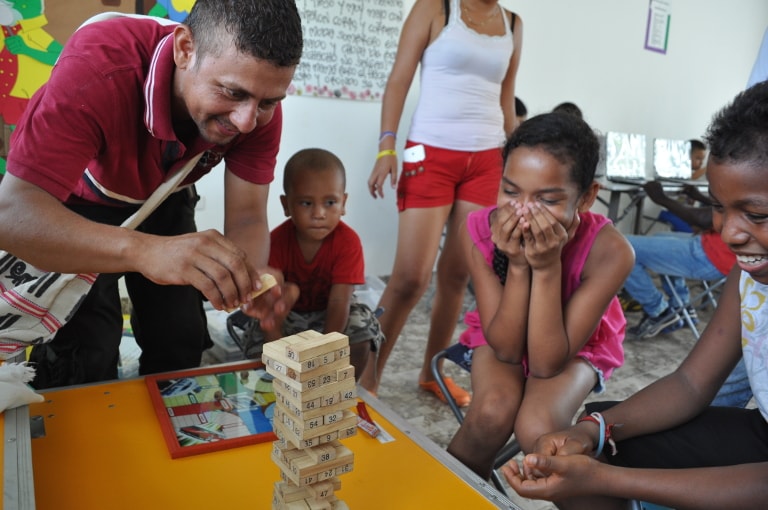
{"x":606,"y":433}
{"x":385,"y":134}
{"x":386,"y":152}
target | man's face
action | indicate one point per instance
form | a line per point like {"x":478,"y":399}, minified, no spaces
{"x":225,"y":94}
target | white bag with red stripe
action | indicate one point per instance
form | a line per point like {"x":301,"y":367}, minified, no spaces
{"x":34,"y":304}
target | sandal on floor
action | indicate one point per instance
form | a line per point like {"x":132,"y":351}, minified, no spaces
{"x":460,"y":395}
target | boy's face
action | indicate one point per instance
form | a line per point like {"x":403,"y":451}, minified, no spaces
{"x":315,"y":203}
{"x":740,"y":213}
{"x":531,"y":175}
{"x":228,"y":94}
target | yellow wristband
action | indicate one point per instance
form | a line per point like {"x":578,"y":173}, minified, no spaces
{"x":387,"y":152}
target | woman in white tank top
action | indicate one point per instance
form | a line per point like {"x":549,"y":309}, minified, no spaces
{"x":452,"y":161}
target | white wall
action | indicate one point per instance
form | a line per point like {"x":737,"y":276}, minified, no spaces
{"x":589,"y":52}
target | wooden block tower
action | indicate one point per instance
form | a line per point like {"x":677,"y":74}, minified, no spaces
{"x":315,"y":388}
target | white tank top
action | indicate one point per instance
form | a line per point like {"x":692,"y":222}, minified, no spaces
{"x":754,"y":337}
{"x":459,"y":105}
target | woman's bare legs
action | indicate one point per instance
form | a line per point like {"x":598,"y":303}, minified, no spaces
{"x":418,"y":240}
{"x":452,"y":279}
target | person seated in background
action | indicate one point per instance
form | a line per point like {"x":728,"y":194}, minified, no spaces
{"x":568,"y":108}
{"x":323,"y":256}
{"x":702,"y":257}
{"x":698,"y":157}
{"x":548,"y":328}
{"x":691,"y":194}
{"x":664,"y":445}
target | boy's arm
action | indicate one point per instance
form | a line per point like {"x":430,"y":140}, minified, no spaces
{"x":695,"y":193}
{"x":675,"y":398}
{"x":697,"y":216}
{"x":565,"y":477}
{"x":562,"y":473}
{"x":337,"y":313}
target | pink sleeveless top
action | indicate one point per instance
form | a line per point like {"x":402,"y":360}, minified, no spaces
{"x":604,"y":349}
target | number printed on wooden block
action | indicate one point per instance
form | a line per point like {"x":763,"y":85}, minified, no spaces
{"x":313,"y":347}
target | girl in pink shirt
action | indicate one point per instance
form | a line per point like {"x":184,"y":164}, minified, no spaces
{"x":548,"y":327}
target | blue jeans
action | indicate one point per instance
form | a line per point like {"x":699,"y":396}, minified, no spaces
{"x":736,"y":390}
{"x":678,"y":255}
{"x":677,"y":224}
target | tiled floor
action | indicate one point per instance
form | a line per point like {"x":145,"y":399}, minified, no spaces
{"x":646,"y":361}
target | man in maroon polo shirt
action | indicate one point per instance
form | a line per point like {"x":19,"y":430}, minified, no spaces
{"x":130,"y":100}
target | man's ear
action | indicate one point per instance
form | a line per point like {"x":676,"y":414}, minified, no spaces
{"x":587,"y":199}
{"x":284,"y":201}
{"x":183,"y":47}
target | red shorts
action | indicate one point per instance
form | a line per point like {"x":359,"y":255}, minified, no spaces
{"x":444,"y":176}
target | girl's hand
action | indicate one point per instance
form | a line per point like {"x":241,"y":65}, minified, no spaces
{"x":545,"y":237}
{"x":507,"y":232}
{"x":386,"y":166}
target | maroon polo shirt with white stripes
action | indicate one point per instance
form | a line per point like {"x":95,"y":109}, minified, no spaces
{"x":100,"y":131}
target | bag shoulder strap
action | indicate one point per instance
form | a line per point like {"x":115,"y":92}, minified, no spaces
{"x":447,"y":8}
{"x":160,"y":194}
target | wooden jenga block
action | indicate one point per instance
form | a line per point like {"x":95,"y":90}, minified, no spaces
{"x":309,"y":334}
{"x":313,"y":347}
{"x":276,"y":351}
{"x":288,"y":492}
{"x":319,"y":504}
{"x":324,"y":489}
{"x":267,"y":282}
{"x":325,"y":411}
{"x":304,"y":471}
{"x":323,"y":453}
{"x":299,"y":430}
{"x":339,"y":505}
{"x":306,"y":380}
{"x":346,"y":388}
{"x":284,"y":432}
{"x":344,"y":373}
{"x":347,"y":432}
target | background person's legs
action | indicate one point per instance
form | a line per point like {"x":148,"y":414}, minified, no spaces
{"x":676,"y":256}
{"x":418,"y":241}
{"x":451,"y":284}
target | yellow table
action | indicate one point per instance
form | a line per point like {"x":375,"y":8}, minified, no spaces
{"x":103,"y":448}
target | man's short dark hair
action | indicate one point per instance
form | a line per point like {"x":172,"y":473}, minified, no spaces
{"x":739,"y":132}
{"x":266,"y":29}
{"x":567,"y":138}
